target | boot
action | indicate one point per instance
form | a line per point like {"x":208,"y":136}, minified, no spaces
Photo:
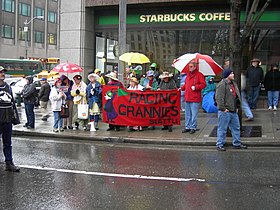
{"x":11,"y":167}
{"x":92,"y":127}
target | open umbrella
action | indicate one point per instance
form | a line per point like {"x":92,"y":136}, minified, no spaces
{"x":67,"y":68}
{"x":132,"y":57}
{"x":206,"y":64}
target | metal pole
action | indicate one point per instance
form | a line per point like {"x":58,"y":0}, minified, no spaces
{"x":122,"y":37}
{"x":25,"y":37}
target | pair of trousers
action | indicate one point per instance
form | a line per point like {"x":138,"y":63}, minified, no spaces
{"x":228,"y":120}
{"x":191,"y":112}
{"x":44,"y":108}
{"x":253,"y":96}
{"x":245,"y":106}
{"x":29,"y":111}
{"x":6,"y":134}
{"x":57,"y":120}
{"x":272,"y":97}
{"x":68,"y":121}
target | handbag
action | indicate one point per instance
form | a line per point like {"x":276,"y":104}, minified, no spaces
{"x":83,"y":111}
{"x":64,"y":113}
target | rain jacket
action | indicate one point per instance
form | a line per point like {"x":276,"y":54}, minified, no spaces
{"x":170,"y":85}
{"x":56,"y":99}
{"x":210,"y":86}
{"x":29,"y":92}
{"x":44,"y":92}
{"x":94,"y":94}
{"x":224,"y":97}
{"x":144,"y":82}
{"x":81,"y":97}
{"x":196,"y":79}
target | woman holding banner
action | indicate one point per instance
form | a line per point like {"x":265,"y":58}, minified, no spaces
{"x":167,"y":83}
{"x":113,"y":81}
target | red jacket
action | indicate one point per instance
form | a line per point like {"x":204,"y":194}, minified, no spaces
{"x":196,"y":79}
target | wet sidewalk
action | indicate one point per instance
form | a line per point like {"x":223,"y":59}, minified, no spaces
{"x":267,"y":121}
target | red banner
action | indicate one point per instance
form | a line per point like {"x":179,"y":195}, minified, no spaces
{"x":142,"y":108}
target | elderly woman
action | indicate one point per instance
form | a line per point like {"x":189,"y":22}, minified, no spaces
{"x":149,"y":82}
{"x":134,"y":85}
{"x":79,"y":93}
{"x":57,"y":98}
{"x":167,"y":83}
{"x":93,"y":92}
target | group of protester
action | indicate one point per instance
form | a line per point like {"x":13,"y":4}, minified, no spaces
{"x":72,"y":93}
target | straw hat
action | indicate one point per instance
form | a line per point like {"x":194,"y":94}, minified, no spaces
{"x":93,"y":75}
{"x":165,"y":74}
{"x":112,"y":75}
{"x":97,"y":70}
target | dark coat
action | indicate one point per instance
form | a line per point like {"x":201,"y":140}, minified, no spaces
{"x":272,"y":80}
{"x":44,"y":92}
{"x":254,"y":76}
{"x":29,"y":92}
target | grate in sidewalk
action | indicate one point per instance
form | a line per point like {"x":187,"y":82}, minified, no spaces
{"x":247,"y":131}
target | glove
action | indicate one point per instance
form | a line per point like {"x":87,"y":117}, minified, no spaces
{"x":193,"y":87}
{"x":92,"y":92}
{"x":77,"y":92}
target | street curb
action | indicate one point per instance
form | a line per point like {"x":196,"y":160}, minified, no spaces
{"x":169,"y":142}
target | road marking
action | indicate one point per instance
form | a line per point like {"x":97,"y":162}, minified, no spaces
{"x":174,"y":179}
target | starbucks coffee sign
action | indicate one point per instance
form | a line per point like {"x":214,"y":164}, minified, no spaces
{"x":184,"y":17}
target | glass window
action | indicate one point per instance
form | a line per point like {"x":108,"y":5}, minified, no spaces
{"x":39,"y":37}
{"x":22,"y":34}
{"x":8,"y":5}
{"x":52,"y":39}
{"x":52,"y":17}
{"x":24,"y":9}
{"x":39,"y":11}
{"x":8,"y":31}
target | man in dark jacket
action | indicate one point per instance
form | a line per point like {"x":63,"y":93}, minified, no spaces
{"x":254,"y":76}
{"x":44,"y":94}
{"x":227,"y":98}
{"x":29,"y":95}
{"x":6,"y":117}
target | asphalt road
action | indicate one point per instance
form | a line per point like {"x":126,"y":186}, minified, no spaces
{"x":62,"y":174}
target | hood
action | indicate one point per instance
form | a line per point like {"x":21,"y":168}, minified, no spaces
{"x":30,"y":79}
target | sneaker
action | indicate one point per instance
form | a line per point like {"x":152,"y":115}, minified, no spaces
{"x":241,"y":146}
{"x":85,"y":128}
{"x":55,"y":130}
{"x":221,"y":148}
{"x":249,"y":119}
{"x":274,"y":108}
{"x":11,"y":167}
{"x":118,"y":129}
{"x":61,"y":129}
{"x":170,"y":128}
{"x":65,"y":127}
{"x":186,"y":130}
{"x":70,"y":127}
{"x":270,"y":107}
{"x":192,"y":131}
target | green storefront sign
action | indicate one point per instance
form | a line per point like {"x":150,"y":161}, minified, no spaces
{"x":268,"y":16}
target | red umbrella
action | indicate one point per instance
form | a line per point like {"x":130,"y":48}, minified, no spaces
{"x":67,"y":68}
{"x":206,"y":64}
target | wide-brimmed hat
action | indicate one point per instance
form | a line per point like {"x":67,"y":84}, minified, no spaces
{"x":112,"y":75}
{"x":255,"y":60}
{"x":93,"y":75}
{"x":150,"y":73}
{"x":165,"y":74}
{"x":134,"y":79}
{"x":3,"y":69}
{"x":78,"y":77}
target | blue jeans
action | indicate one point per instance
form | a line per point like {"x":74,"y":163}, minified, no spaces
{"x":253,"y":96}
{"x":6,"y":134}
{"x":272,"y":97}
{"x":245,"y":106}
{"x":225,"y":120}
{"x":29,"y":111}
{"x":183,"y":103}
{"x":57,"y":120}
{"x":191,"y":115}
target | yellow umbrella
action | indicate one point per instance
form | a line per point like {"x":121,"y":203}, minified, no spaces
{"x":132,"y":57}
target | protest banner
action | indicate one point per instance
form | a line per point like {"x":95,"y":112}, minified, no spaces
{"x":142,"y":108}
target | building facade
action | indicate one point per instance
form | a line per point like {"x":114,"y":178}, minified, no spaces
{"x":161,"y":29}
{"x":29,"y":28}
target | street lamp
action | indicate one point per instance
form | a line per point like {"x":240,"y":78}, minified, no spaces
{"x":25,"y":29}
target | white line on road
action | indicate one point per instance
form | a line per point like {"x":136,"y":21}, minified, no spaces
{"x":174,"y":179}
